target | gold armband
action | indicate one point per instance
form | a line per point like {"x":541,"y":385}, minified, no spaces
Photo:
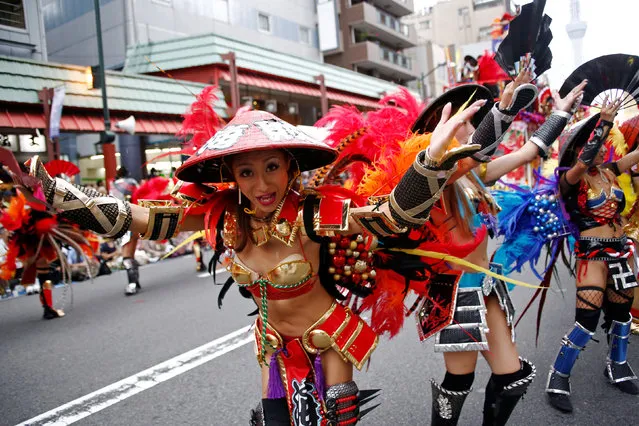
{"x":377,"y":223}
{"x":164,"y":219}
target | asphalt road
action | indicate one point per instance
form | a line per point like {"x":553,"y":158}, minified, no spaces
{"x":107,"y":337}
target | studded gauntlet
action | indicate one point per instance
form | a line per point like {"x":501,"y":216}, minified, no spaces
{"x":548,"y":133}
{"x":490,"y":131}
{"x":90,"y":209}
{"x":422,"y":185}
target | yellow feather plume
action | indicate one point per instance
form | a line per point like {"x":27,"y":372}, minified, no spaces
{"x":625,"y":182}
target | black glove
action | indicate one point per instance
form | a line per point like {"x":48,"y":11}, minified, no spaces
{"x":592,"y":147}
{"x":491,"y":130}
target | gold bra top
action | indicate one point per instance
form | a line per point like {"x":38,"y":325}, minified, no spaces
{"x":288,"y":279}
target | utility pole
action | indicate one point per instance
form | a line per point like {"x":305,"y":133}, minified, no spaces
{"x":107,"y":137}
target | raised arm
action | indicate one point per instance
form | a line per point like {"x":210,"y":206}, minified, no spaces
{"x":107,"y":215}
{"x":624,"y":164}
{"x":541,"y":140}
{"x":421,"y":186}
{"x":589,"y":153}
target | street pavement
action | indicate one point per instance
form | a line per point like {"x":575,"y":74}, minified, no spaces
{"x":107,"y":337}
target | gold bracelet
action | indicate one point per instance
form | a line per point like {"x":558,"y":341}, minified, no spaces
{"x":165,"y":219}
{"x":429,"y":161}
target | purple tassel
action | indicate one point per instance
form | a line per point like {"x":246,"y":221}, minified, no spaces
{"x":320,"y":383}
{"x":275,"y":386}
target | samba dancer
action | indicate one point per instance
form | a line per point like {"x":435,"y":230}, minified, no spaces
{"x":594,"y":200}
{"x":307,"y":343}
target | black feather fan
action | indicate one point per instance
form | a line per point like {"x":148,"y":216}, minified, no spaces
{"x":528,"y":39}
{"x":614,"y":75}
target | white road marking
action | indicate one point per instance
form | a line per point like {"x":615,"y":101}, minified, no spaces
{"x":109,"y":395}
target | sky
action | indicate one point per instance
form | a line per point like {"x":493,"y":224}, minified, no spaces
{"x":612,"y":28}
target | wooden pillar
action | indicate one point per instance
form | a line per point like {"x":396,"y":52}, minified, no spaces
{"x":46,"y":96}
{"x":235,"y":87}
{"x":323,"y":95}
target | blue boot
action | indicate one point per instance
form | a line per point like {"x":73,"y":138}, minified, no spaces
{"x":618,"y":370}
{"x":558,"y":386}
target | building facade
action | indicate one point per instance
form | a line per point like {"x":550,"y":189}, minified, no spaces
{"x":21,"y":29}
{"x":282,"y":25}
{"x":461,"y":27}
{"x":370,"y":37}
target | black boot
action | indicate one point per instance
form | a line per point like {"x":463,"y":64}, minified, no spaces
{"x":275,"y":412}
{"x":501,"y":399}
{"x":257,"y":416}
{"x":447,"y":405}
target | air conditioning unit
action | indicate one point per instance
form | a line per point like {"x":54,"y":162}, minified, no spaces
{"x":271,"y":106}
{"x":293,"y":108}
{"x":246,"y":101}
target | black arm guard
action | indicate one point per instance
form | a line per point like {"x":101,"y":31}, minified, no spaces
{"x":419,"y":189}
{"x":548,"y":133}
{"x":592,"y":147}
{"x":491,"y":130}
{"x":88,"y":208}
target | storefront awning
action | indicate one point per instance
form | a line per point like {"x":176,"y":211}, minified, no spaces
{"x":19,"y":119}
{"x":271,"y":83}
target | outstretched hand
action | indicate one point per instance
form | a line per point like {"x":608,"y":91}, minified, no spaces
{"x":610,"y":108}
{"x":567,"y":103}
{"x":448,"y":126}
{"x":524,"y":76}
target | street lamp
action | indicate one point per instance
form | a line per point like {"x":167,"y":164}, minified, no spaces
{"x":423,"y":77}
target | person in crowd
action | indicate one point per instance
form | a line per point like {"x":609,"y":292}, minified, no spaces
{"x":122,"y":189}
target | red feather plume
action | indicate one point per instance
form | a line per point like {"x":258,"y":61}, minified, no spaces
{"x":630,"y":130}
{"x":156,"y":188}
{"x":201,"y":121}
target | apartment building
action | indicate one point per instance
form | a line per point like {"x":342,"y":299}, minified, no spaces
{"x":463,"y":27}
{"x":369,"y":37}
{"x":288,"y":26}
{"x":22,"y":30}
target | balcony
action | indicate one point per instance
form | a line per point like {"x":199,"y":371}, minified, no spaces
{"x":380,"y":25}
{"x":389,"y":63}
{"x":396,"y":7}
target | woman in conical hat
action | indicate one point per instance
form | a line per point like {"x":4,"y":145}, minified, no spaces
{"x":594,"y":199}
{"x":284,"y":249}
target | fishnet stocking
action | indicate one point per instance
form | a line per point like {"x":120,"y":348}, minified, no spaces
{"x":619,"y":296}
{"x":590,"y":297}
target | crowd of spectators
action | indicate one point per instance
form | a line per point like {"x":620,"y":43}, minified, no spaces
{"x":104,"y":261}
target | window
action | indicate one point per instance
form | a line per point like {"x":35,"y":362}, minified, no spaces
{"x":162,"y":2}
{"x":424,"y":25}
{"x":305,"y":35}
{"x":484,"y":2}
{"x":484,"y":33}
{"x":12,"y":14}
{"x":264,"y":22}
{"x":463,"y":17}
